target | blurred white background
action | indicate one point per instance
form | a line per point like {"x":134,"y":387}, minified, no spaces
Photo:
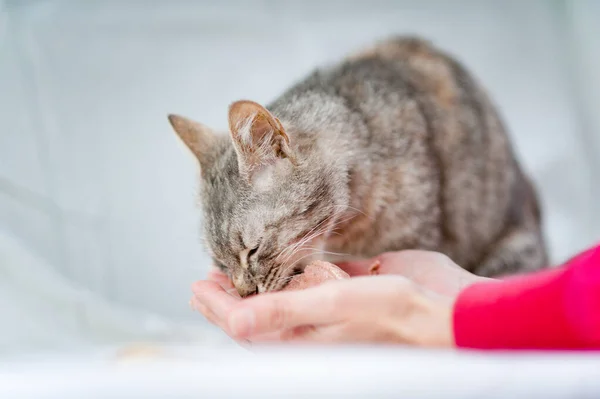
{"x":99,"y":224}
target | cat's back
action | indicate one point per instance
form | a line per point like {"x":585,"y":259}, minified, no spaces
{"x":404,"y":104}
{"x":370,"y":96}
{"x":478,"y":172}
{"x":483,"y":191}
{"x":398,"y":81}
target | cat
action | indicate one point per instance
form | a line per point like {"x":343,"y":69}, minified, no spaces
{"x":396,"y":147}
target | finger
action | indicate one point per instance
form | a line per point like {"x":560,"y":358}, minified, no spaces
{"x":233,"y":292}
{"x":306,"y":334}
{"x":359,"y":267}
{"x":213,"y":319}
{"x":214,"y":298}
{"x":208,"y":314}
{"x":295,"y":334}
{"x":269,"y":313}
{"x":401,"y":262}
{"x":220,"y":278}
{"x":271,"y":337}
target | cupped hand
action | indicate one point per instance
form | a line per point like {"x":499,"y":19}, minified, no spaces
{"x":376,"y":309}
{"x":410,"y":302}
{"x":431,"y":270}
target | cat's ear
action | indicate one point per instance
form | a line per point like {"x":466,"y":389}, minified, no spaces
{"x":258,"y":137}
{"x":197,"y":137}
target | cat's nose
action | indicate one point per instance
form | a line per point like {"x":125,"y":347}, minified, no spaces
{"x":244,"y":284}
{"x":246,"y":290}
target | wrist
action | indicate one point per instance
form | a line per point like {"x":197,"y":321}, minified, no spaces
{"x":431,"y":320}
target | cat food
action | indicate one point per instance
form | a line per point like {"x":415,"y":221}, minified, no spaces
{"x":314,"y":274}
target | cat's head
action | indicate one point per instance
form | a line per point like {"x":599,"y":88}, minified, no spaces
{"x":267,"y":205}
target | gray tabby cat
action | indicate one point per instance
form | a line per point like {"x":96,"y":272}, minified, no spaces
{"x":397,"y":147}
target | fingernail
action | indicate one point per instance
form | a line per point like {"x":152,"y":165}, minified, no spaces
{"x":241,"y":322}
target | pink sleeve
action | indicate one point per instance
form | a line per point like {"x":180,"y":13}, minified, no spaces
{"x":557,"y":308}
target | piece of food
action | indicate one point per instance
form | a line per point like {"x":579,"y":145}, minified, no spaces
{"x":139,"y":352}
{"x":374,"y":268}
{"x":316,"y":273}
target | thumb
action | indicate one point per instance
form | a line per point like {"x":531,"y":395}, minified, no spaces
{"x":363,"y":267}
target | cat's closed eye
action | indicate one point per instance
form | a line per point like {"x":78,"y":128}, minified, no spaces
{"x":252,"y":252}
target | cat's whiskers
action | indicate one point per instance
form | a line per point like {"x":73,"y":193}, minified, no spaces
{"x":298,"y":248}
{"x":305,"y":239}
{"x":285,"y":268}
{"x":319,"y":229}
{"x":302,"y":240}
{"x":285,"y":279}
{"x":330,"y":253}
{"x":284,"y":271}
{"x":354,"y":209}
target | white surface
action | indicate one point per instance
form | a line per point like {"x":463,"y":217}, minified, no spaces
{"x":308,"y":372}
{"x":99,"y":229}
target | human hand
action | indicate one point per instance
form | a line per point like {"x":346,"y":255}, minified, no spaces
{"x":356,"y":310}
{"x":382,"y":309}
{"x":430,"y":270}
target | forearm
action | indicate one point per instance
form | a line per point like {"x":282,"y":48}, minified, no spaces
{"x":553,"y":309}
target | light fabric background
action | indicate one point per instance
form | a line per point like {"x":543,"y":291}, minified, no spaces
{"x":99,"y":225}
